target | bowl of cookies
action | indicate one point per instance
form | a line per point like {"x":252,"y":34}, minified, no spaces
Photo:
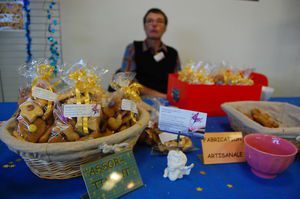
{"x":280,"y":119}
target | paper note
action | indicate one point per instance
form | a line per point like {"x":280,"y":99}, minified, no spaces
{"x":44,"y":94}
{"x":81,"y":110}
{"x":129,"y":105}
{"x":166,"y":137}
{"x":223,"y":148}
{"x":179,"y":120}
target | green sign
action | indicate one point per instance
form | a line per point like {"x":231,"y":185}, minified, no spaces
{"x":85,"y":196}
{"x":111,"y":176}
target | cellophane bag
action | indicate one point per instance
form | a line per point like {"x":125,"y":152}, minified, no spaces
{"x":212,"y":73}
{"x":36,"y":100}
{"x":82,"y":91}
{"x":120,"y":107}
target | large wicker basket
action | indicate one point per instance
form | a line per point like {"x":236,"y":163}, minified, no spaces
{"x":63,"y":160}
{"x":286,"y":114}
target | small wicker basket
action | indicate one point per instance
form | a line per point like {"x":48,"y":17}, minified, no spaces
{"x":287,"y":115}
{"x":63,"y":160}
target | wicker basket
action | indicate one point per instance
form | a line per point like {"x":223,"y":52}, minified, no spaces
{"x":286,"y":114}
{"x":63,"y":160}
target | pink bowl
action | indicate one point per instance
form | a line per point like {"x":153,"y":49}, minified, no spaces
{"x":268,"y":155}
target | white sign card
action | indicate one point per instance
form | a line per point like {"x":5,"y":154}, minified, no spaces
{"x":81,"y":110}
{"x":175,"y":120}
{"x":44,"y":94}
{"x":166,"y":137}
{"x":129,"y":105}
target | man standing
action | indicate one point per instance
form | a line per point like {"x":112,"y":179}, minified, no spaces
{"x":151,"y":59}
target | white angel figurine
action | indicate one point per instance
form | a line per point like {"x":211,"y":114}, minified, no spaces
{"x":176,"y":165}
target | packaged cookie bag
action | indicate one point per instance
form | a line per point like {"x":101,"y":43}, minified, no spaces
{"x":162,"y":142}
{"x":36,"y":101}
{"x":120,"y":109}
{"x":78,"y":106}
{"x":226,"y":74}
{"x":196,"y":73}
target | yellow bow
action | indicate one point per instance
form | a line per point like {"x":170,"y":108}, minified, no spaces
{"x":84,"y":83}
{"x":132,"y":91}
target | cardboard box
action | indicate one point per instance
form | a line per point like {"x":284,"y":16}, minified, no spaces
{"x":208,"y":98}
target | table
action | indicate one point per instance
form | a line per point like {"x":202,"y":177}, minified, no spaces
{"x":220,"y":181}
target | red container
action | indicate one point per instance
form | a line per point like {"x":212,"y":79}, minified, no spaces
{"x":208,"y":98}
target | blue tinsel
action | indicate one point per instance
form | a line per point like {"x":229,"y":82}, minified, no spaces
{"x":27,"y":26}
{"x":54,"y":57}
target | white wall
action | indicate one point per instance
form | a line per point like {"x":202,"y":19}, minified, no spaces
{"x":264,"y":34}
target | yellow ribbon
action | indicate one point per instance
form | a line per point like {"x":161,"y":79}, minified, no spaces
{"x":78,"y":101}
{"x":132,"y":92}
{"x":84,"y":83}
{"x":85,"y":119}
{"x":44,"y":72}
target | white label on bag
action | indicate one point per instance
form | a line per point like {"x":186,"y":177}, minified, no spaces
{"x":129,"y":105}
{"x":159,"y":56}
{"x":166,"y":137}
{"x":81,"y":110}
{"x":150,"y":124}
{"x":44,"y":94}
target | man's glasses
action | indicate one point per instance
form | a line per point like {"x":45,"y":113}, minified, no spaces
{"x":152,"y":21}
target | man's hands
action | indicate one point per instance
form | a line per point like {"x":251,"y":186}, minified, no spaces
{"x":151,"y":92}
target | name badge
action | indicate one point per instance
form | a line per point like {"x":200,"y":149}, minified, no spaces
{"x":159,"y":56}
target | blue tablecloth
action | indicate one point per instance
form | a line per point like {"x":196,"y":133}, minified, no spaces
{"x":20,"y":182}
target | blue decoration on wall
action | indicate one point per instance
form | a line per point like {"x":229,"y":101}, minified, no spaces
{"x":27,"y":30}
{"x":54,"y":55}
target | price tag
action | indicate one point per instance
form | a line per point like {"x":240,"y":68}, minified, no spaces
{"x":129,"y":105}
{"x":81,"y":110}
{"x":44,"y":94}
{"x":223,"y":148}
{"x":112,"y":176}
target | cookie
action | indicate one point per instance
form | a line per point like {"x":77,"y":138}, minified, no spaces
{"x":93,"y":123}
{"x":70,"y":93}
{"x":70,"y":134}
{"x":32,"y":132}
{"x":57,"y":136}
{"x":40,"y":102}
{"x":93,"y":135}
{"x":263,"y":118}
{"x":44,"y":138}
{"x":16,"y":135}
{"x":48,"y":113}
{"x":112,"y":107}
{"x":115,"y":123}
{"x":30,"y":111}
